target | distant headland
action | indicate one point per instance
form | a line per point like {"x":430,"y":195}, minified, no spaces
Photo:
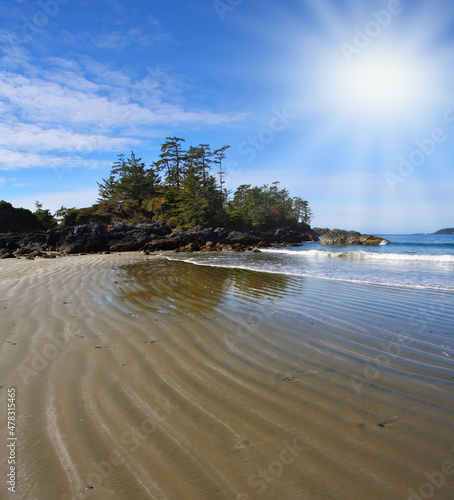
{"x":449,"y":230}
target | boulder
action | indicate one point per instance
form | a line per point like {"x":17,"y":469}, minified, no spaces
{"x":236,"y":237}
{"x":320,"y":231}
{"x":342,"y":237}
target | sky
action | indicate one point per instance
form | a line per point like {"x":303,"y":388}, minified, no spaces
{"x":349,"y":104}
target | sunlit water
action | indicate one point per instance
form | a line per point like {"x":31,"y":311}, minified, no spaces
{"x":425,"y":261}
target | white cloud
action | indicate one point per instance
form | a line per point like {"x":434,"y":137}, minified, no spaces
{"x":55,"y":101}
{"x":31,"y":138}
{"x":62,"y":109}
{"x":14,"y":160}
{"x":53,"y":201}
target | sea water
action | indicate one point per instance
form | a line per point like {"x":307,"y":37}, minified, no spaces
{"x":418,"y":261}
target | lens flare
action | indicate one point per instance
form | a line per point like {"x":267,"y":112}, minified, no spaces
{"x":375,"y":90}
{"x":374,"y":85}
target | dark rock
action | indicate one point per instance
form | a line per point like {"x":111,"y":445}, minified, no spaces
{"x":242,"y":238}
{"x":22,"y":251}
{"x":77,"y":239}
{"x":341,"y":237}
{"x":211,"y":246}
{"x":220,"y":233}
{"x":131,"y":246}
{"x":161,"y":245}
{"x":98,"y":237}
{"x":8,"y":255}
{"x":12,"y":245}
{"x":263,"y":244}
{"x":192,"y":247}
{"x":320,"y":231}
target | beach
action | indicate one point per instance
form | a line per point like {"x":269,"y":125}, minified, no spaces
{"x":136,"y":377}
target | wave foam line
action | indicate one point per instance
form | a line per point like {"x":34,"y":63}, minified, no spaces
{"x":310,"y":275}
{"x":362,"y":255}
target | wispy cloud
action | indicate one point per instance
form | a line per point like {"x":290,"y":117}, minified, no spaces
{"x":72,"y":106}
{"x":31,"y":138}
{"x":17,"y":160}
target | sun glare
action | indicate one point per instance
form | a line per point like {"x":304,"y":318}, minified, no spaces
{"x":379,"y":88}
{"x":371,"y":84}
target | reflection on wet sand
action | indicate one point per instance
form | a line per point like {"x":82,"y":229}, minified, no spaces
{"x":142,"y":378}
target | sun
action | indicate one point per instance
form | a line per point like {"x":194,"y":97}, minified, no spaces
{"x":391,"y":89}
{"x":380,"y":88}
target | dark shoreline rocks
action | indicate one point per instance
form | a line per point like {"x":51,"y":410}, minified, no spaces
{"x":122,"y":237}
{"x":341,"y":237}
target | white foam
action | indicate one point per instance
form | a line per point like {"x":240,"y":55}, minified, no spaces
{"x":296,"y":272}
{"x":363,"y":255}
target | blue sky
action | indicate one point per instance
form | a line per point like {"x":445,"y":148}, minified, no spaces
{"x":349,"y":104}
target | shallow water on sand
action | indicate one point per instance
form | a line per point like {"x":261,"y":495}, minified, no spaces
{"x":142,"y":378}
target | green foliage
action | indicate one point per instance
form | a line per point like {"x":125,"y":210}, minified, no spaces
{"x":20,"y":219}
{"x":266,"y":207}
{"x":45,"y":218}
{"x":78,"y":216}
{"x":172,"y":161}
{"x":190,"y":195}
{"x":128,"y":180}
{"x":17,"y":219}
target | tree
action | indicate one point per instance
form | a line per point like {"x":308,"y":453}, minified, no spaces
{"x":44,"y":216}
{"x":172,"y":161}
{"x":108,"y":189}
{"x":129,"y":180}
{"x":204,"y":161}
{"x":302,"y":211}
{"x":219,"y":157}
{"x":190,"y":195}
{"x":266,"y":207}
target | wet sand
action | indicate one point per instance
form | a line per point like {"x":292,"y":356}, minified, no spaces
{"x":139,"y":378}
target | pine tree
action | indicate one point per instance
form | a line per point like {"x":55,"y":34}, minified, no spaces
{"x":172,"y":161}
{"x":129,"y":180}
{"x":219,"y":157}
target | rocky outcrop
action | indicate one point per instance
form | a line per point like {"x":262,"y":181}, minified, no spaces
{"x":320,"y":231}
{"x":448,"y":230}
{"x":120,"y":237}
{"x":341,"y":237}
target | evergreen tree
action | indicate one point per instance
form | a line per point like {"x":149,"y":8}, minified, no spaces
{"x":204,"y":161}
{"x":129,"y":180}
{"x":44,"y":216}
{"x":302,"y":211}
{"x":219,"y":157}
{"x":266,"y":207}
{"x":172,"y":160}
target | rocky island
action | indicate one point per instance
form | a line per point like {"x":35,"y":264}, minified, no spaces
{"x":342,"y":237}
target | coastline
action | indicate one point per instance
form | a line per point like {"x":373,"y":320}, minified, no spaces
{"x":145,"y":378}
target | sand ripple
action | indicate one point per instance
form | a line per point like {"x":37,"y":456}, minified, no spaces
{"x":141,"y":378}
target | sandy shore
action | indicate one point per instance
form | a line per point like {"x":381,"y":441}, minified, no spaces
{"x":139,"y":378}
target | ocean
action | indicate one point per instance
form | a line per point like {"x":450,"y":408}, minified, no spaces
{"x":409,"y":260}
